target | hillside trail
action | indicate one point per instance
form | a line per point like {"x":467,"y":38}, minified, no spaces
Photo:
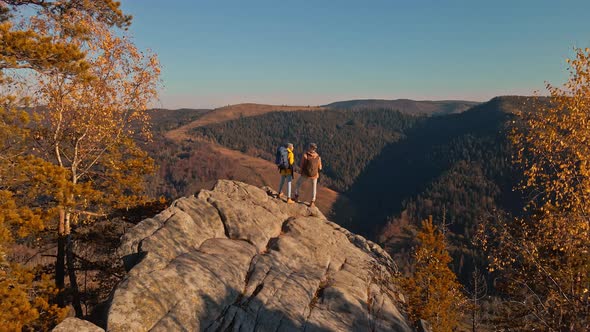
{"x":246,"y":168}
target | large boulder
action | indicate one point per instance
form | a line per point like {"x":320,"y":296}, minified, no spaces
{"x":74,"y":324}
{"x":236,"y":259}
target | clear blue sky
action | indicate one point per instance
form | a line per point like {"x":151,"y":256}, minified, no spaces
{"x":305,"y":52}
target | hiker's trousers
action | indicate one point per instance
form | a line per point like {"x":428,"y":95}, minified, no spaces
{"x":314,"y":182}
{"x":287,"y":178}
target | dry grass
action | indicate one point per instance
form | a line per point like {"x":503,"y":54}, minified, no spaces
{"x":260,"y":172}
{"x":252,"y":170}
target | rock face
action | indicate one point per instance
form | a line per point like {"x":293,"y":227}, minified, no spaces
{"x":236,"y":259}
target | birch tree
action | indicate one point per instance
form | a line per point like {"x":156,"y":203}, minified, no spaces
{"x":543,"y":258}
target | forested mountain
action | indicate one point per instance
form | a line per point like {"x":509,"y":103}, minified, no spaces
{"x":434,"y":148}
{"x":415,"y":107}
{"x":163,"y":120}
{"x":398,"y":169}
{"x":184,"y":168}
{"x":347,"y":140}
{"x":456,"y":168}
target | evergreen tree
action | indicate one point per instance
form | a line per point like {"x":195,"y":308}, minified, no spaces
{"x":74,"y":157}
{"x":433,"y":291}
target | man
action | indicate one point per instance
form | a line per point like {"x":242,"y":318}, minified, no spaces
{"x":285,"y":161}
{"x":311,"y":165}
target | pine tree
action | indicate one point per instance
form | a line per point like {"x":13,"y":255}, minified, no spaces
{"x":26,"y":296}
{"x":433,"y":291}
{"x":94,"y":84}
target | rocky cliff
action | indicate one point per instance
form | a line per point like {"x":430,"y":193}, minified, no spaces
{"x":236,"y":259}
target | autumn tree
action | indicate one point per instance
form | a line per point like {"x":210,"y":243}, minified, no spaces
{"x":88,"y":128}
{"x":74,"y":157}
{"x":23,"y":47}
{"x":543,"y":259}
{"x":476,"y":292}
{"x":25,"y":299}
{"x":433,"y":291}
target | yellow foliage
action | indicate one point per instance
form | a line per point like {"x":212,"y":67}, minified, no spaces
{"x":25,"y":300}
{"x":75,"y":157}
{"x":553,"y":141}
{"x":433,"y":291}
{"x":79,"y":153}
{"x":544,"y":257}
{"x":89,"y":124}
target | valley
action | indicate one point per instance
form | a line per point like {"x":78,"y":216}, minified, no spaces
{"x":219,"y":161}
{"x":142,"y":145}
{"x":387,"y":169}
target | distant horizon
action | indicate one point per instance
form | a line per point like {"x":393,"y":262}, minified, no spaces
{"x":340,"y":100}
{"x":190,"y":101}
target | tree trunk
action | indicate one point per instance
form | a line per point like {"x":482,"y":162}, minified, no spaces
{"x":73,"y":280}
{"x":60,"y":267}
{"x":65,"y":255}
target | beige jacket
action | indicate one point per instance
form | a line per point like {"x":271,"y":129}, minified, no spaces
{"x":309,"y":155}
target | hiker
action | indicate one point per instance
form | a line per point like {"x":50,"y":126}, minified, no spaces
{"x":311,"y":165}
{"x":285,"y":160}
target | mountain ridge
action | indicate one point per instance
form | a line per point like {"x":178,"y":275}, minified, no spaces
{"x":236,"y":111}
{"x":408,"y":106}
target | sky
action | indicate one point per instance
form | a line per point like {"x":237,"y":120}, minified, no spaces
{"x":220,"y":52}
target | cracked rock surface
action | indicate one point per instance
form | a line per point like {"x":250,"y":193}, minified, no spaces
{"x":236,"y":259}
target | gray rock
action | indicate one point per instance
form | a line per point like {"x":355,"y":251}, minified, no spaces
{"x":78,"y":325}
{"x":235,"y":259}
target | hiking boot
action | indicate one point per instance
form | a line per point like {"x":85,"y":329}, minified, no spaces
{"x":312,"y":204}
{"x":280,"y":196}
{"x":296,"y":197}
{"x":290,"y":201}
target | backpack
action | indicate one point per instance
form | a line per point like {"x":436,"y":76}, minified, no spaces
{"x":311,"y":166}
{"x":282,"y":158}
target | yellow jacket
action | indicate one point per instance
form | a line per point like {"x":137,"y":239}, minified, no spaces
{"x":289,"y":171}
